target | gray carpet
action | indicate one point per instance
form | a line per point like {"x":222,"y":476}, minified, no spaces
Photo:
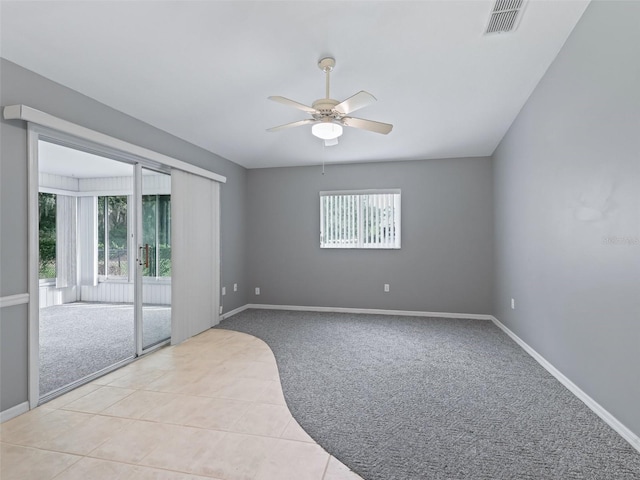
{"x":399,"y":398}
{"x":78,"y":339}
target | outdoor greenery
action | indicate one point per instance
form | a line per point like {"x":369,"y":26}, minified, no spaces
{"x":156,"y":227}
{"x":47,"y":224}
{"x":112,"y":220}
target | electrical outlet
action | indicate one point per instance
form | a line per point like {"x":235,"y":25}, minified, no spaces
{"x":224,"y":290}
{"x":235,"y":287}
{"x":386,"y":287}
{"x":257,"y":290}
{"x":513,"y":304}
{"x":220,"y":309}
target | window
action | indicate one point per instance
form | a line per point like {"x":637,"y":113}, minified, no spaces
{"x":156,"y":233}
{"x":112,"y":237}
{"x":360,"y":219}
{"x":47,"y":227}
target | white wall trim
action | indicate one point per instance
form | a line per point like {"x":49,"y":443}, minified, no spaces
{"x":23,"y":112}
{"x":373,"y":311}
{"x":233,"y":312}
{"x":598,"y":409}
{"x":11,"y":300}
{"x":33,"y":266}
{"x":13,"y":412}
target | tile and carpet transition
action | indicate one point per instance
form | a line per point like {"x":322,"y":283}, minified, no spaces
{"x":433,"y":398}
{"x":210,"y":408}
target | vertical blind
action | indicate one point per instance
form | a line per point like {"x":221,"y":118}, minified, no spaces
{"x":66,"y":211}
{"x":88,"y":240}
{"x":195,"y":235}
{"x":360,"y":219}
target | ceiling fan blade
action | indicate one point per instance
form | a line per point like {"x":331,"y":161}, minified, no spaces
{"x":299,"y":123}
{"x":292,"y":103}
{"x":355,"y":102}
{"x":372,"y":126}
{"x":331,"y":142}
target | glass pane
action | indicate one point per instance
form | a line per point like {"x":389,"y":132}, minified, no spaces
{"x":367,"y":220}
{"x":47,"y":226}
{"x":118,"y":265}
{"x":101,"y":238}
{"x":156,"y":258}
{"x":86,"y":322}
{"x":164,"y":235}
{"x":149,"y":234}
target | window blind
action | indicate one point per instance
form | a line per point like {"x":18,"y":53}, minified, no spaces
{"x":195,"y":233}
{"x":360,"y":219}
{"x":66,"y":212}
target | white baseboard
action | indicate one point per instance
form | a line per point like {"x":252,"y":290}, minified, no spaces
{"x":598,"y":409}
{"x":373,"y":311}
{"x":233,"y":312}
{"x":13,"y":412}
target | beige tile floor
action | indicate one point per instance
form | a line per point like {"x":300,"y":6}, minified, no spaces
{"x":211,"y":407}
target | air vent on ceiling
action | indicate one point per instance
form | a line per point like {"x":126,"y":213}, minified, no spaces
{"x":505,"y":16}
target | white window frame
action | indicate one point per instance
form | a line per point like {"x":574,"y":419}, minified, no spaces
{"x":351,"y":203}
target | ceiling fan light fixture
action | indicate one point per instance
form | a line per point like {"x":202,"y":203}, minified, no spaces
{"x":327,"y":130}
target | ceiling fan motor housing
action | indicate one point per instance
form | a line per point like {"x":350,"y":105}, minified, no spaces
{"x":325,"y":108}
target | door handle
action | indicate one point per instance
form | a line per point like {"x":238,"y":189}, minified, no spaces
{"x":143,"y":256}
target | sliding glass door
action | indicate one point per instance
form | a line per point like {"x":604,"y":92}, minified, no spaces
{"x":104,"y":263}
{"x":86,"y":295}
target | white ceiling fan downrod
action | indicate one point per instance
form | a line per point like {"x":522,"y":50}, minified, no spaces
{"x":326,"y":65}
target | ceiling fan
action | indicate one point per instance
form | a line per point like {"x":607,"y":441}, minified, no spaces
{"x":329,"y":115}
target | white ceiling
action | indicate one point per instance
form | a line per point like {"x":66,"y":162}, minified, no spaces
{"x":202,"y":70}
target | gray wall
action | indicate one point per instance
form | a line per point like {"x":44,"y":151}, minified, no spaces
{"x":567,"y":212}
{"x":446,"y":260}
{"x":22,"y":86}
